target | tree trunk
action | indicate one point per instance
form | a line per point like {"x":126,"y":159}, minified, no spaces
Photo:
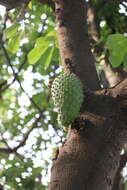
{"x":90,"y":156}
{"x":74,"y":43}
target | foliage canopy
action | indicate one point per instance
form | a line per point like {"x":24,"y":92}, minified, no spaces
{"x":30,"y":58}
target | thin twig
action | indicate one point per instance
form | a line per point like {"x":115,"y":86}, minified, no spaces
{"x":7,"y":57}
{"x":19,"y":70}
{"x":3,"y":84}
{"x":4,"y":141}
{"x":7,"y":86}
{"x":16,"y":76}
{"x":31,"y":99}
{"x":35,"y":125}
{"x":10,"y":150}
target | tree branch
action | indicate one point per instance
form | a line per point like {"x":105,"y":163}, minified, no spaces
{"x":10,"y":150}
{"x":4,"y":141}
{"x":10,"y":4}
{"x":93,"y":21}
{"x":74,"y":43}
{"x":5,"y":87}
{"x":15,"y":74}
{"x":2,"y":84}
{"x":120,"y":89}
{"x":6,"y":150}
{"x":112,"y":101}
{"x":118,"y":176}
{"x":108,"y":76}
{"x":35,"y":125}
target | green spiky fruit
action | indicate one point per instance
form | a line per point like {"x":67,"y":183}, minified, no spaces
{"x":67,"y":95}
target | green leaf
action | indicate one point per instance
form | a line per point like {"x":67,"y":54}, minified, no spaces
{"x":49,"y":38}
{"x":35,"y":54}
{"x":117,"y":45}
{"x":30,"y":5}
{"x":56,"y":54}
{"x":11,"y":31}
{"x":41,"y":48}
{"x":14,"y":43}
{"x":52,"y":33}
{"x":45,"y":60}
{"x":125,"y":186}
{"x":49,"y":56}
{"x":115,"y":40}
{"x":41,"y":41}
{"x":115,"y":61}
{"x":125,"y":62}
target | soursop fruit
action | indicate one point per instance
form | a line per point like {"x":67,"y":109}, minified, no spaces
{"x":67,"y":94}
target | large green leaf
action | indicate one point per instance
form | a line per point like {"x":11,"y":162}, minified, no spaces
{"x":115,"y":40}
{"x":11,"y":31}
{"x":44,"y":40}
{"x":125,"y":62}
{"x":49,"y":56}
{"x":117,"y":45}
{"x":35,"y":54}
{"x":56,"y":54}
{"x":14,"y":43}
{"x":52,"y":33}
{"x":44,"y":46}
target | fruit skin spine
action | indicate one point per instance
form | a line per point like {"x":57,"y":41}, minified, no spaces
{"x":67,"y":94}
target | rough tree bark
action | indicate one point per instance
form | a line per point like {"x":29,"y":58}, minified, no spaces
{"x":118,"y":177}
{"x":74,"y":43}
{"x":90,"y":156}
{"x":10,"y":4}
